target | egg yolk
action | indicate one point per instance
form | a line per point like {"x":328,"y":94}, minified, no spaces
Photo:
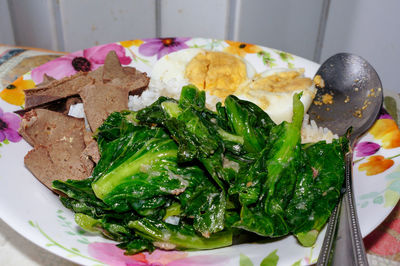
{"x":218,"y":73}
{"x":282,"y":82}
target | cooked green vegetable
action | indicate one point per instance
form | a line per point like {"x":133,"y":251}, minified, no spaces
{"x":178,"y":175}
{"x":178,"y":236}
{"x":275,"y":188}
{"x":317,"y":189}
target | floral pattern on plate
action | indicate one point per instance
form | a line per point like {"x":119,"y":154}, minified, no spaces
{"x":9,"y":124}
{"x":376,"y":168}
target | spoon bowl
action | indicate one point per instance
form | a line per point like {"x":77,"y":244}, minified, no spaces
{"x":351,"y":96}
{"x":348,"y":101}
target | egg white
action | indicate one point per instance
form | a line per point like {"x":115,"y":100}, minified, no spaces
{"x":169,"y":71}
{"x":280,"y":104}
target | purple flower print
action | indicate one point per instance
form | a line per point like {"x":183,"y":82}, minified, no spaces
{"x":9,"y":124}
{"x":85,"y":60}
{"x":162,"y":46}
{"x":385,"y":116}
{"x":366,"y":148}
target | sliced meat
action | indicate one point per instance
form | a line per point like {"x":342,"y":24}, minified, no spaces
{"x":134,"y":81}
{"x":46,"y":80}
{"x":127,"y":77}
{"x":112,"y":67}
{"x":41,"y":127}
{"x":57,"y":89}
{"x":51,"y":91}
{"x":57,"y":161}
{"x":59,"y":141}
{"x":60,"y":105}
{"x":92,"y":152}
{"x":92,"y":149}
{"x":100,"y":100}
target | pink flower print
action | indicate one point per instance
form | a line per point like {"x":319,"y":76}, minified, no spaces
{"x":84,"y":60}
{"x":9,"y":124}
{"x":366,"y":148}
{"x":162,"y":46}
{"x":112,"y":255}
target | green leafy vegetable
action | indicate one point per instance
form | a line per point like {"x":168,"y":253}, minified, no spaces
{"x":266,"y":218}
{"x":178,"y":236}
{"x":177,"y":175}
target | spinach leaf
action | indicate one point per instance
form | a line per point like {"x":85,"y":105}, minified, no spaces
{"x":317,"y":190}
{"x":140,"y":165}
{"x":178,"y":236}
{"x":267,"y":216}
{"x":243,"y":120}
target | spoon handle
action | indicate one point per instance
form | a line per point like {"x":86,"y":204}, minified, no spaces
{"x":343,"y":244}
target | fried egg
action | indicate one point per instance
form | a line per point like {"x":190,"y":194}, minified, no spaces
{"x":273,"y":91}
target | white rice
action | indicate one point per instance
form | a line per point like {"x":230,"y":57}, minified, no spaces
{"x":76,"y":110}
{"x":171,"y":89}
{"x":310,"y":132}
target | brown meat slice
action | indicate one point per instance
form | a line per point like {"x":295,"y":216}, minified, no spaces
{"x":52,"y":92}
{"x":128,"y":77}
{"x":60,"y":105}
{"x":92,"y":152}
{"x":46,"y":80}
{"x":56,"y":89}
{"x":100,"y":100}
{"x":135,"y":82}
{"x":57,"y":161}
{"x":112,"y":68}
{"x":41,"y":127}
{"x":92,"y":149}
{"x":59,"y":141}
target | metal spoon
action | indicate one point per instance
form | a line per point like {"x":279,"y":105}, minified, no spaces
{"x":355,"y":101}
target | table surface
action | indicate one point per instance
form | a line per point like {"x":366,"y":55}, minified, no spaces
{"x":383,"y":244}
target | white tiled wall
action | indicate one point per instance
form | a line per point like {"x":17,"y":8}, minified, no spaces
{"x":86,"y":23}
{"x":71,"y":25}
{"x":289,"y":25}
{"x":206,"y":18}
{"x":369,"y":28}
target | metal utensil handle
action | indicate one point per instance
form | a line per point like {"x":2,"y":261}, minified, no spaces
{"x":327,"y":245}
{"x":343,"y":243}
{"x":356,"y":237}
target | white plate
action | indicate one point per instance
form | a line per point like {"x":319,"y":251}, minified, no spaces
{"x":37,"y":214}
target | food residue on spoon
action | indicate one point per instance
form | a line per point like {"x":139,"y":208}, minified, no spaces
{"x":319,"y":82}
{"x":372,"y":93}
{"x":327,"y":98}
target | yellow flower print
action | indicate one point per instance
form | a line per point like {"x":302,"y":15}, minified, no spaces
{"x":387,"y":131}
{"x":130,"y":43}
{"x":241,"y":48}
{"x":14,"y":93}
{"x":376,"y":164}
